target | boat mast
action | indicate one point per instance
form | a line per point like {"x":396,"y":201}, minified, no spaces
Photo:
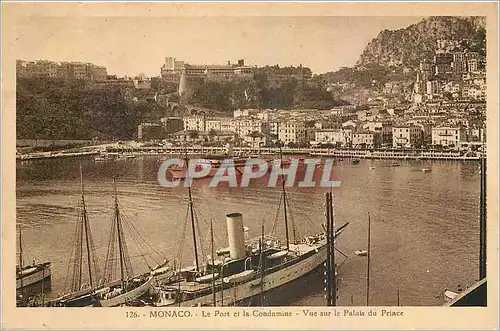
{"x":331,"y":296}
{"x":191,"y":211}
{"x":368,"y":266}
{"x":284,"y":202}
{"x":21,"y":259}
{"x":262,"y":267}
{"x":193,"y":228}
{"x":86,"y":227}
{"x":332,"y":254}
{"x":213,"y":262}
{"x":482,"y":220}
{"x":328,"y":260}
{"x":120,"y":238}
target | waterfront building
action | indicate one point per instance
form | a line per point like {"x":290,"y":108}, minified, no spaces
{"x":191,"y":136}
{"x":333,"y":136}
{"x":366,"y":139}
{"x":448,"y":136}
{"x":406,"y":136}
{"x":226,"y":124}
{"x":213,"y":124}
{"x":255,"y":139}
{"x":292,"y":132}
{"x":195,"y":123}
{"x":383,"y":128}
{"x":244,"y":126}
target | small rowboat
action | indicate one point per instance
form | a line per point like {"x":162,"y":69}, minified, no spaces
{"x":207,"y":278}
{"x":372,"y":168}
{"x":361,"y":252}
{"x":240,"y":277}
{"x":426,"y":170}
{"x":450,"y":295}
{"x":278,"y":255}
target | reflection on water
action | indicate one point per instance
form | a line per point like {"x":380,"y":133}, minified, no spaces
{"x":425,"y":230}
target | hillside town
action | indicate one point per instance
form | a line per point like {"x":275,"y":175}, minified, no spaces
{"x":441,"y":107}
{"x":447,"y":111}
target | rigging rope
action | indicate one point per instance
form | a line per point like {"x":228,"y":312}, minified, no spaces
{"x":277,"y":215}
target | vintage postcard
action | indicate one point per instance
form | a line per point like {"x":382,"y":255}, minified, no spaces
{"x":249,"y":165}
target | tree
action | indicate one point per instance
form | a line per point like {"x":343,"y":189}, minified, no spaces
{"x":193,"y":135}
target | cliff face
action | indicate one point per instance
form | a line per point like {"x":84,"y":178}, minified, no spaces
{"x":409,"y":46}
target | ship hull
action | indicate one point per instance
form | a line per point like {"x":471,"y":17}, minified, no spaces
{"x":41,"y":274}
{"x":239,"y":292}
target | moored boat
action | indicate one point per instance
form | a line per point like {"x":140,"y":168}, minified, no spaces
{"x":32,"y":274}
{"x":27,"y":278}
{"x":247,"y":268}
{"x":361,"y":252}
{"x":106,"y":290}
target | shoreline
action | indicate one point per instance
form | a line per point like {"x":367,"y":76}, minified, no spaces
{"x":131,"y":150}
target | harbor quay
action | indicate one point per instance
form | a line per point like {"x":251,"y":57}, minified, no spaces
{"x":136,"y":149}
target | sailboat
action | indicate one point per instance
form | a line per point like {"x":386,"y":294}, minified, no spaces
{"x":104,"y":291}
{"x":29,"y":275}
{"x":245,"y":269}
{"x":82,"y":260}
{"x":128,"y":288}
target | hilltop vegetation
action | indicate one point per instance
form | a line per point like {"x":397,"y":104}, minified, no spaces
{"x":270,"y":87}
{"x":70,"y":109}
{"x":56,"y":109}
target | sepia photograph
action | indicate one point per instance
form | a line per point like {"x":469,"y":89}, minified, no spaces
{"x":255,"y":161}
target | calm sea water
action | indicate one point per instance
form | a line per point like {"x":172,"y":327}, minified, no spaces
{"x":425,"y":226}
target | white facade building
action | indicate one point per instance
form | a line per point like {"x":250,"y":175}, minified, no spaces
{"x":194,"y":123}
{"x":292,"y":131}
{"x":448,"y":136}
{"x":334,"y":136}
{"x":406,"y":136}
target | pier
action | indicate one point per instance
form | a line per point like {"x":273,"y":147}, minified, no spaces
{"x":325,"y":152}
{"x":137,"y":149}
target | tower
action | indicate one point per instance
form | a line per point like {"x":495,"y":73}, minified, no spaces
{"x":183,"y":88}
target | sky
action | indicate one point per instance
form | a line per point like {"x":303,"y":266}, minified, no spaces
{"x":133,"y":45}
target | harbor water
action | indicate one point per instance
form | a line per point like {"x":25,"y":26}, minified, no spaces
{"x":424,"y":225}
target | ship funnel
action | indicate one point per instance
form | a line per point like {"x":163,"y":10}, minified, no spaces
{"x":235,"y":235}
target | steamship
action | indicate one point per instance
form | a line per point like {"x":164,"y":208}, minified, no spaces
{"x":245,"y":269}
